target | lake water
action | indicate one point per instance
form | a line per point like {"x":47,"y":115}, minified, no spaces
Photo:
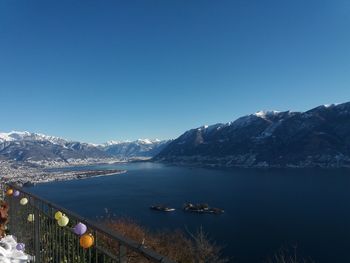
{"x":265,"y":210}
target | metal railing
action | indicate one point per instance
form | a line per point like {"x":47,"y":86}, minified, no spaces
{"x":47,"y":242}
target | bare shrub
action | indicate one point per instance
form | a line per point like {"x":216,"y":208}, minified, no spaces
{"x":176,"y":245}
{"x":285,"y":256}
{"x":205,"y":249}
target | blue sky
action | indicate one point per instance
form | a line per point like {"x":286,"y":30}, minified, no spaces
{"x":100,"y":70}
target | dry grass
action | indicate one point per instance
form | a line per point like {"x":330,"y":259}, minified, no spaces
{"x":176,"y":245}
{"x":185,"y":247}
{"x":285,"y":256}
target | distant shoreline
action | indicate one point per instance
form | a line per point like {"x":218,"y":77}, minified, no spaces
{"x":58,"y":165}
{"x":75,"y":175}
{"x":28,"y":174}
{"x":263,"y":166}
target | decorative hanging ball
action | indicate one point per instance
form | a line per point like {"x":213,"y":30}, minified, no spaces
{"x":86,"y":240}
{"x":63,"y":221}
{"x":23,"y":201}
{"x":30,"y":218}
{"x":58,"y":215}
{"x":9,"y":191}
{"x":16,"y":193}
{"x":20,"y":246}
{"x":80,"y":229}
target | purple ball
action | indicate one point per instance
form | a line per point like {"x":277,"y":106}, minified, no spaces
{"x":16,"y":193}
{"x":80,"y":229}
{"x":20,"y":246}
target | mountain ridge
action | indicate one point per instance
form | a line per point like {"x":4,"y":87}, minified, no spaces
{"x":24,"y":146}
{"x":319,"y":137}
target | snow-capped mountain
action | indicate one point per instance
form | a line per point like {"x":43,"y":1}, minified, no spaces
{"x":30,"y":136}
{"x":138,"y":141}
{"x":138,"y":148}
{"x":318,"y":137}
{"x":39,"y":148}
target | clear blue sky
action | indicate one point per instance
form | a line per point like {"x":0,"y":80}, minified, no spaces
{"x":100,"y":70}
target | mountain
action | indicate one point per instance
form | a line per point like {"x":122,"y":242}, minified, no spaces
{"x":43,"y":149}
{"x":319,"y":137}
{"x":39,"y":148}
{"x":138,"y":148}
{"x":29,"y":136}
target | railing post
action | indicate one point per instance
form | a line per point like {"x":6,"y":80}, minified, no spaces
{"x":122,"y":254}
{"x":36,"y":233}
{"x":11,"y":215}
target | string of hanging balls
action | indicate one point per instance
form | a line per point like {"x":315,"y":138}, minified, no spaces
{"x":86,"y":240}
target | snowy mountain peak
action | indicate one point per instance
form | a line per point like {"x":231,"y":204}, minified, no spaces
{"x":332,"y":105}
{"x":202,"y":127}
{"x":138,"y":141}
{"x":210,"y":128}
{"x":264,"y":114}
{"x":110,"y":143}
{"x":147,"y":141}
{"x":29,"y":136}
{"x":13,"y":135}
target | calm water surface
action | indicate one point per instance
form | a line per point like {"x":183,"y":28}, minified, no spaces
{"x":265,"y":210}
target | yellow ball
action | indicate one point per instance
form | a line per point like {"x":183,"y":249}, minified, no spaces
{"x":86,"y":240}
{"x":9,"y":191}
{"x":30,"y":218}
{"x":23,"y":201}
{"x":63,"y":221}
{"x":58,"y":215}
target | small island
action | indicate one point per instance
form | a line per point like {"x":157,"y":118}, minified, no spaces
{"x":202,"y":208}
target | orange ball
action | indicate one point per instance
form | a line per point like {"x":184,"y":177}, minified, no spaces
{"x":9,"y":191}
{"x":86,"y":240}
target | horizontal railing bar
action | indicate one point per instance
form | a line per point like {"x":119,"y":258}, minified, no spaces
{"x":133,"y":245}
{"x":107,"y":253}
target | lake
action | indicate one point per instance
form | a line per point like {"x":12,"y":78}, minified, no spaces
{"x":265,"y":210}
